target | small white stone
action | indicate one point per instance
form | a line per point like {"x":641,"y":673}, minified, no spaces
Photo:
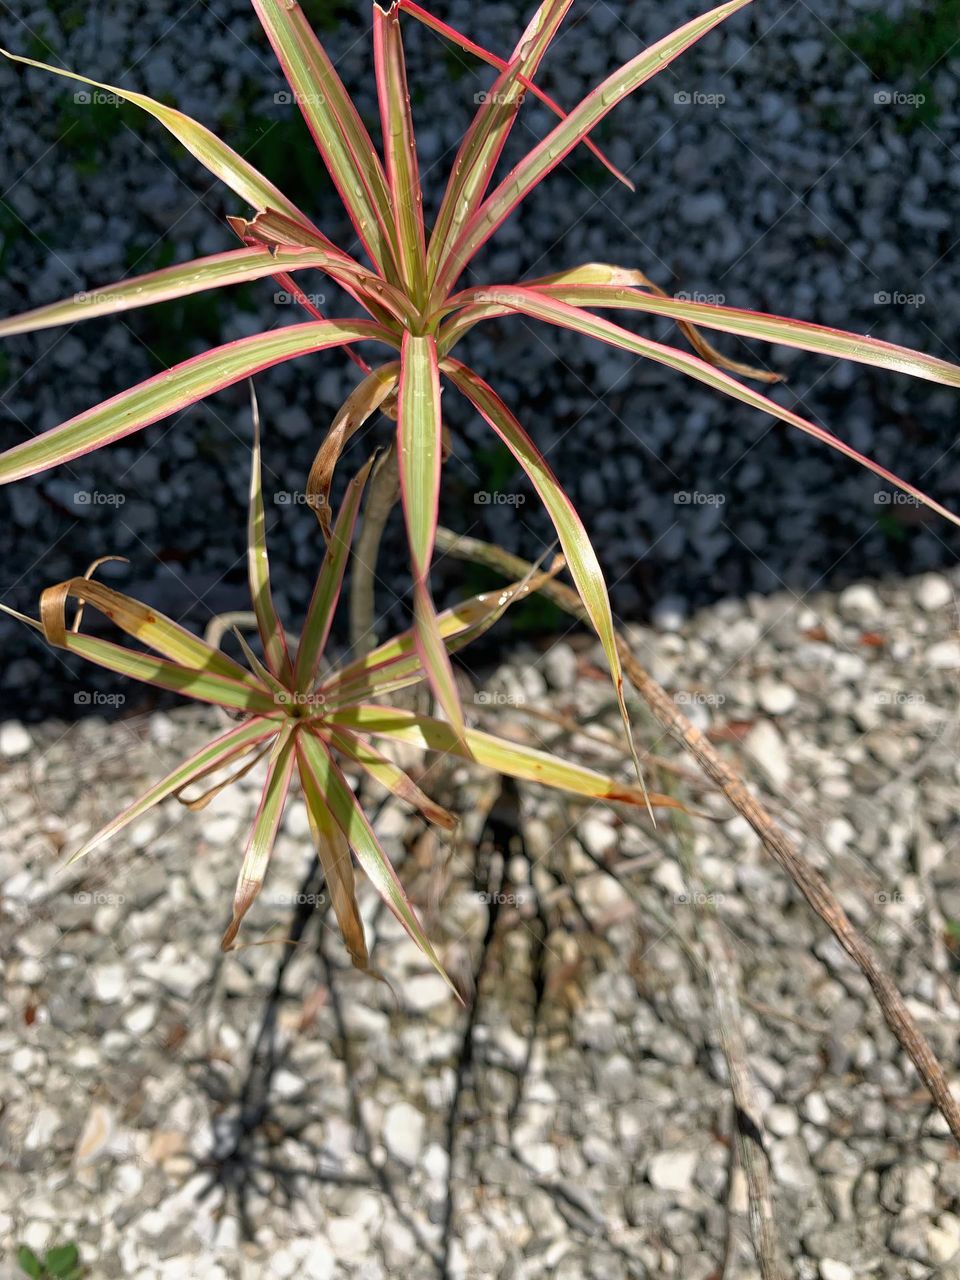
{"x":781,"y":1121}
{"x":426,"y":991}
{"x":109,"y":982}
{"x":673,"y":1170}
{"x":560,"y":666}
{"x":859,"y":602}
{"x":403,"y":1132}
{"x":139,"y":1020}
{"x":934,"y":592}
{"x":831,"y":1269}
{"x":775,"y":697}
{"x":944,"y":656}
{"x":837,"y":835}
{"x":598,"y":836}
{"x":767,"y":748}
{"x":14,"y":740}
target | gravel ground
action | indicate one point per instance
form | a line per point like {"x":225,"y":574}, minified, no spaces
{"x":774,"y":168}
{"x":272,"y":1113}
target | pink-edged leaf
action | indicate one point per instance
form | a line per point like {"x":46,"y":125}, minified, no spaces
{"x":360,"y":405}
{"x":215,"y":272}
{"x":403,"y":172}
{"x":263,"y":835}
{"x":505,"y":756}
{"x":326,"y":592}
{"x":337,"y":129}
{"x":333,"y":786}
{"x":419,"y":450}
{"x":816,"y":338}
{"x":478,"y":51}
{"x":545,"y":157}
{"x":543,"y":307}
{"x":176,"y":389}
{"x":389,"y":775}
{"x":336,"y":861}
{"x":270,"y":627}
{"x":577,"y":548}
{"x":487,"y":135}
{"x":277,"y":231}
{"x":395,"y":664}
{"x":215,"y":755}
{"x":219,"y":159}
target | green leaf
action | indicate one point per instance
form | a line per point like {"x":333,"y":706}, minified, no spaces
{"x":352,"y":821}
{"x":543,"y":307}
{"x":326,"y":592}
{"x":516,"y":759}
{"x":176,"y":389}
{"x":62,"y":1259}
{"x":419,"y":445}
{"x":390,"y":776}
{"x":561,"y":140}
{"x":272,"y":635}
{"x":180,"y":281}
{"x":264,"y":833}
{"x":403,"y":173}
{"x":577,"y":548}
{"x":28,"y":1261}
{"x":215,"y":755}
{"x":336,"y":126}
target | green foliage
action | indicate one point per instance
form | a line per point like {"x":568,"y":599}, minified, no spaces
{"x":916,"y":43}
{"x":62,"y":1262}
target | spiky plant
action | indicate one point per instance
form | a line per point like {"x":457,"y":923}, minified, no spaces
{"x":305,"y":717}
{"x":408,"y":287}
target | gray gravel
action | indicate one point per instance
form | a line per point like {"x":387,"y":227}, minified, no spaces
{"x":798,"y":192}
{"x":274,"y":1114}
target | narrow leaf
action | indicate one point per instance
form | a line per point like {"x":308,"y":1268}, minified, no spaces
{"x":419,"y":449}
{"x":513,"y":758}
{"x":214,"y":755}
{"x":336,"y":862}
{"x":478,"y":51}
{"x":264,"y":833}
{"x":326,"y":592}
{"x":484,"y":141}
{"x":553,"y":311}
{"x":545,"y":157}
{"x":176,"y":389}
{"x":272,"y":635}
{"x":352,"y":821}
{"x":360,"y":405}
{"x":337,"y":129}
{"x":403,"y":173}
{"x":577,"y":548}
{"x":390,"y":776}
